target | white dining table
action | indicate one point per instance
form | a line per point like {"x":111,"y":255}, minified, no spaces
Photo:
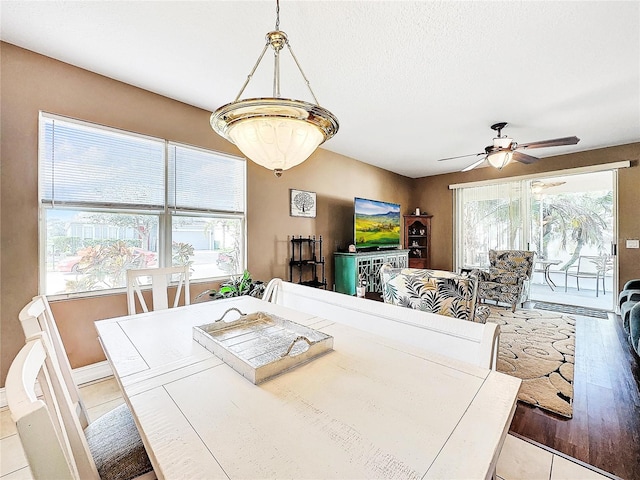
{"x":370,"y":408}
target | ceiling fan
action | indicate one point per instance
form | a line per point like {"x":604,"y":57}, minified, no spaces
{"x":504,"y":150}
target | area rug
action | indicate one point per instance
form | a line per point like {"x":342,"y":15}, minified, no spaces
{"x":538,"y":347}
{"x":557,"y":307}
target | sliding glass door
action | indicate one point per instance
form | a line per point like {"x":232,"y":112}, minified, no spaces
{"x":490,"y":217}
{"x":568,"y":221}
{"x":572,"y":227}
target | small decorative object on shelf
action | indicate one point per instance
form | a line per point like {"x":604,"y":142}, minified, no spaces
{"x":417,"y":238}
{"x":361,"y":289}
{"x":306,"y":257}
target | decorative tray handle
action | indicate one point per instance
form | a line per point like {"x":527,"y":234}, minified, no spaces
{"x":230,"y":310}
{"x":309,"y":342}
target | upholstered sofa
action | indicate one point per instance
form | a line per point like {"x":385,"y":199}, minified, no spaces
{"x":629,"y":302}
{"x":437,"y":291}
{"x":631,"y":288}
{"x":508,"y":278}
{"x":634,"y":327}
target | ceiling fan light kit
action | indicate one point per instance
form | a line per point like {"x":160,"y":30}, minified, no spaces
{"x":504,"y":150}
{"x":274,"y":132}
{"x":500,"y":159}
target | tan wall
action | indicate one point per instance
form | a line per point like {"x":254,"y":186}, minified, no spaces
{"x":32,"y":82}
{"x":336,"y":181}
{"x":432,"y":194}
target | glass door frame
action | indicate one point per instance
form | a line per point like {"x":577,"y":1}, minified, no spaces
{"x":525,"y":230}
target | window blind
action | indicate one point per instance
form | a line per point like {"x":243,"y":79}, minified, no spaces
{"x":92,"y":166}
{"x":204,"y":180}
{"x":488,"y":217}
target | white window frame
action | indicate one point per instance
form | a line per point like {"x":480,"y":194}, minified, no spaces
{"x":165,"y":214}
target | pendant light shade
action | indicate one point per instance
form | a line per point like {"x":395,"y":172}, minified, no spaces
{"x":276,"y":143}
{"x":275,"y":132}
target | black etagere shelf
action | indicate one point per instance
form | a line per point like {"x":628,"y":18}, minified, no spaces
{"x":307,"y":261}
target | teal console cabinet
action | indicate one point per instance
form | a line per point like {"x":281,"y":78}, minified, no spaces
{"x":349,"y":266}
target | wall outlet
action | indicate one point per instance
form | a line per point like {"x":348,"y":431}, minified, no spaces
{"x":633,"y":243}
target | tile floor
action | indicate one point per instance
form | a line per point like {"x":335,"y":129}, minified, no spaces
{"x":519,"y":459}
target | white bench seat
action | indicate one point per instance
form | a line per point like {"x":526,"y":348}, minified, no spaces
{"x":470,"y":342}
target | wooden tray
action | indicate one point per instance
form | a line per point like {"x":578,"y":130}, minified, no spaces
{"x":260,"y":345}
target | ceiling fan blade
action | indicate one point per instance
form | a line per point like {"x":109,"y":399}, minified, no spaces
{"x":524,"y":158}
{"x":556,"y":142}
{"x":474,"y":165}
{"x":460,"y":156}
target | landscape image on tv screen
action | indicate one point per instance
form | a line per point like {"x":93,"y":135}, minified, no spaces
{"x":377,"y":224}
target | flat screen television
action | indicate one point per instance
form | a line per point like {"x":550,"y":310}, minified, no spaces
{"x":376,"y":224}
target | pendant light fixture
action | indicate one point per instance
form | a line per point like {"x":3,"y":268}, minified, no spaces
{"x":277,"y":133}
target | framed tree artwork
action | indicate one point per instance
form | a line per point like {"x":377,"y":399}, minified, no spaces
{"x":303,"y":204}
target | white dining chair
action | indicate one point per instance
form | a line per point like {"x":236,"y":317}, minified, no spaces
{"x":273,"y":290}
{"x":55,"y":444}
{"x":35,"y":317}
{"x":160,"y":279}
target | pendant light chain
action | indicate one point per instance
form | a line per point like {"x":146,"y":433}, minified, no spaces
{"x":276,"y":57}
{"x":276,"y":74}
{"x":276,"y":66}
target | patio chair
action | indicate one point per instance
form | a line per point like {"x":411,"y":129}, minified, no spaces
{"x":593,"y":267}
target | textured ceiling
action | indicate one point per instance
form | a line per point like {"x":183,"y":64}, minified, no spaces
{"x":410,"y":82}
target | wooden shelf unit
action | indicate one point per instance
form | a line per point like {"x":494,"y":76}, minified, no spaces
{"x":417,"y":239}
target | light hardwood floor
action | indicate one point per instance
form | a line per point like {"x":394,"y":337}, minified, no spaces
{"x":519,"y":459}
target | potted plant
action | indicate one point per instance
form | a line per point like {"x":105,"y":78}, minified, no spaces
{"x":236,"y":286}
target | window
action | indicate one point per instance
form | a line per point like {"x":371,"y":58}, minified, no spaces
{"x":113,"y":200}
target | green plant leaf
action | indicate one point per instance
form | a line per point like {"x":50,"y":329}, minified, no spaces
{"x":227,"y":289}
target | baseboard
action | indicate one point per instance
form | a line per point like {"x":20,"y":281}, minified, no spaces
{"x":81,"y":375}
{"x":91,"y":373}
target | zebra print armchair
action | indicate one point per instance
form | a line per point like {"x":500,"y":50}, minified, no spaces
{"x":508,"y":277}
